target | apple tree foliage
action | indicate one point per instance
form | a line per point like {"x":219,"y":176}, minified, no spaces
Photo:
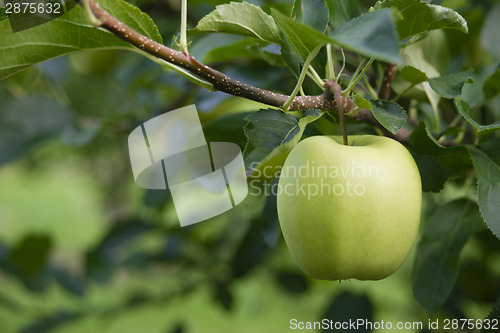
{"x":445,"y":94}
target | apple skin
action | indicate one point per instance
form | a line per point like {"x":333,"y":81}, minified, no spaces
{"x":365,"y":233}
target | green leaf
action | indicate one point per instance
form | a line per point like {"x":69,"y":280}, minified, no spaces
{"x":243,"y":49}
{"x":69,"y":33}
{"x":341,"y":11}
{"x":413,"y":75}
{"x":437,"y":260}
{"x":416,"y":16}
{"x":300,"y":38}
{"x":312,"y":13}
{"x":348,"y":305}
{"x":30,"y":256}
{"x":3,"y":15}
{"x":389,"y":114}
{"x":240,"y":18}
{"x":494,"y":314}
{"x":273,"y":133}
{"x":436,"y":163}
{"x":451,"y":85}
{"x":466,"y":112}
{"x":372,"y":35}
{"x":27,"y":122}
{"x":491,"y":86}
{"x":486,"y":162}
{"x":291,"y":57}
{"x":361,"y":102}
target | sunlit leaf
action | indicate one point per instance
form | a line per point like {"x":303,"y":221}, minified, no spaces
{"x":240,"y":18}
{"x":416,"y":16}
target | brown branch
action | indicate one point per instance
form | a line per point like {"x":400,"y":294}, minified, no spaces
{"x":221,"y":82}
{"x":218,"y":80}
{"x":385,"y":88}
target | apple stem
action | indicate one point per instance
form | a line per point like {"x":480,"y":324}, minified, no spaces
{"x":340,"y":101}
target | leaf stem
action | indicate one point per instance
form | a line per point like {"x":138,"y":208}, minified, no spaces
{"x":343,"y":65}
{"x":330,"y":63}
{"x":395,"y":99}
{"x":355,"y":82}
{"x":302,"y":76}
{"x":317,"y":78}
{"x":370,"y":88}
{"x":90,"y":15}
{"x":183,"y":38}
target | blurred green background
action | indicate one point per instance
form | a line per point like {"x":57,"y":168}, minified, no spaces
{"x":83,"y":249}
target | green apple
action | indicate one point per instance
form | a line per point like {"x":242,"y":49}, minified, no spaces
{"x":349,"y":211}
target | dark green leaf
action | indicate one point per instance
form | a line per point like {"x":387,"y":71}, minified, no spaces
{"x":311,"y":12}
{"x":342,"y":11}
{"x":66,"y":34}
{"x":30,"y":256}
{"x":3,"y":15}
{"x":223,"y":295}
{"x":466,"y":112}
{"x":301,"y":38}
{"x":71,"y":282}
{"x":372,"y":35}
{"x":347,"y":306}
{"x":451,"y":85}
{"x":416,"y":16}
{"x":491,"y":86}
{"x":273,"y":133}
{"x":389,"y":114}
{"x":27,"y":122}
{"x":437,"y":259}
{"x":292,"y":281}
{"x":436,"y":163}
{"x":240,"y":18}
{"x":102,"y":260}
{"x":488,"y":184}
{"x":250,"y":252}
{"x":494,"y":314}
{"x":243,"y":49}
{"x":413,"y":75}
{"x":291,"y":58}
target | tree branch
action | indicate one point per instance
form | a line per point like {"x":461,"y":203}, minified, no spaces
{"x":221,"y":82}
{"x":385,"y":88}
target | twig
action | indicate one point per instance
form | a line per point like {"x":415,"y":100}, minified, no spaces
{"x":221,"y":82}
{"x":385,"y":88}
{"x":337,"y":93}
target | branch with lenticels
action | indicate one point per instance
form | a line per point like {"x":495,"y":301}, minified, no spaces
{"x":221,"y":82}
